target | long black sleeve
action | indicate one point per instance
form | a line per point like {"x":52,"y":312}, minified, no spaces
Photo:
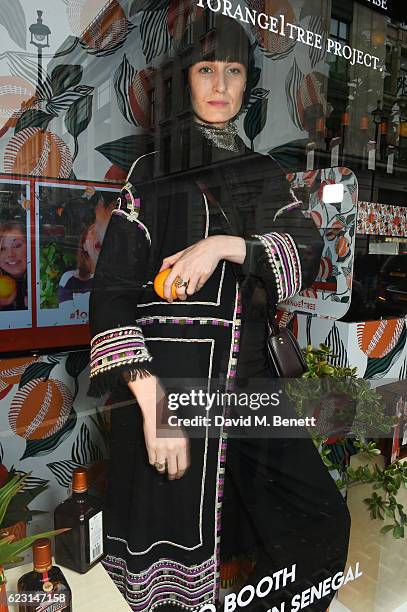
{"x":117,"y":344}
{"x":284,"y":248}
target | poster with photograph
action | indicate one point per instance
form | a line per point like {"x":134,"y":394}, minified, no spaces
{"x":71,"y":221}
{"x":15,"y":273}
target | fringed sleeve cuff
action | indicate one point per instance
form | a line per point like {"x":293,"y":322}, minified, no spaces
{"x":116,"y":357}
{"x":275,"y":255}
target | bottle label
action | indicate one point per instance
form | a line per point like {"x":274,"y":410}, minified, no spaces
{"x":95,"y":537}
{"x":52,"y":607}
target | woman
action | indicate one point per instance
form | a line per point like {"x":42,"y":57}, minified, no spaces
{"x":13,"y":265}
{"x":79,"y":281}
{"x":236,"y":246}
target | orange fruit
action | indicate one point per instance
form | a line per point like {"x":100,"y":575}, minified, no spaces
{"x":159,"y":284}
{"x":7,"y":286}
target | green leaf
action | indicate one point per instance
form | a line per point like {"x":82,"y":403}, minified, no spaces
{"x":9,"y":548}
{"x":398,"y":532}
{"x":386,"y":528}
{"x":78,"y":116}
{"x":65,"y":76}
{"x":76,"y":362}
{"x":8,"y":491}
{"x":255,"y":118}
{"x":34,"y":448}
{"x":33,"y":118}
{"x":35,"y":370}
{"x":124,"y":151}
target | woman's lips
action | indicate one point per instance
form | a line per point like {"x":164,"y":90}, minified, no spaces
{"x":218,"y":104}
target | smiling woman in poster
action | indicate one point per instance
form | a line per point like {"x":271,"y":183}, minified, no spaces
{"x":13,"y":266}
{"x":179,"y":506}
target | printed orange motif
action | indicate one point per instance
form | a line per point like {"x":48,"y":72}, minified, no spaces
{"x":268,"y":40}
{"x":317,"y":218}
{"x":377,"y":338}
{"x":107,"y":29}
{"x":342,"y":246}
{"x":40,"y":408}
{"x":11,"y":370}
{"x":81,"y":13}
{"x":139,"y":99}
{"x":38,"y":153}
{"x":15,"y":95}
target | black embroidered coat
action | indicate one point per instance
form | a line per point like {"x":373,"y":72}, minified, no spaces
{"x":166,"y":539}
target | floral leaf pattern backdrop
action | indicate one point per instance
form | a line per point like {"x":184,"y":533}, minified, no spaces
{"x":49,"y":426}
{"x":83,"y":115}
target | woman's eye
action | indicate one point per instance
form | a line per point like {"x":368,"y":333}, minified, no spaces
{"x":205,"y":69}
{"x":234,"y":70}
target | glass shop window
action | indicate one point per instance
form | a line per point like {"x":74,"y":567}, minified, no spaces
{"x":389,"y":75}
{"x":340,"y":31}
{"x":189,"y":32}
{"x":166,"y":154}
{"x":152,"y":99}
{"x":185,"y":146}
{"x":167,"y":97}
{"x":185,"y":90}
{"x":402,"y":79}
{"x":209,"y":20}
{"x":103,"y":95}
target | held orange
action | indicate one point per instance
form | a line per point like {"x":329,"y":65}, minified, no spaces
{"x":7,"y":286}
{"x":159,"y":284}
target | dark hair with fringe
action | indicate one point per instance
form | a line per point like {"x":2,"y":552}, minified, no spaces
{"x":226,"y":41}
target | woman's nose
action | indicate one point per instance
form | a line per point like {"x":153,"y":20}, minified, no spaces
{"x":220,"y":81}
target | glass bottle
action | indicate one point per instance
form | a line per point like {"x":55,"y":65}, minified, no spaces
{"x":45,"y":588}
{"x":82,"y":546}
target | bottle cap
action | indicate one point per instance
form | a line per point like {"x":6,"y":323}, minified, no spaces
{"x":80,"y":480}
{"x":42,"y":555}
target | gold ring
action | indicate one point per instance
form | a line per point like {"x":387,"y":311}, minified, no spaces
{"x":180,"y":282}
{"x":159,"y":466}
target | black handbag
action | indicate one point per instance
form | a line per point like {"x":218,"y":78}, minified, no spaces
{"x":283,"y":350}
{"x":284,"y":353}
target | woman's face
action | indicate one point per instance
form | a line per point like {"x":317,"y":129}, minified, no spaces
{"x":217,"y":90}
{"x":91,"y":247}
{"x":13,"y":253}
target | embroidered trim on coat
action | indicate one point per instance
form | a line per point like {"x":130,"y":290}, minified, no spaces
{"x":284,"y":261}
{"x":117,"y":347}
{"x":164,"y":582}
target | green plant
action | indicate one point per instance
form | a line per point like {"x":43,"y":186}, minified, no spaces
{"x":53,"y":263}
{"x":389,"y":479}
{"x":361,"y":411}
{"x":17,"y":509}
{"x":9,"y":547}
{"x":360,"y":406}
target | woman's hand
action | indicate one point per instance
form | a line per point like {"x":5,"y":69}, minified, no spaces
{"x":171,"y":452}
{"x":197,"y":263}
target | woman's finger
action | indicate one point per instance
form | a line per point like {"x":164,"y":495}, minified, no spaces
{"x":161,"y":460}
{"x":152,"y":457}
{"x":193,"y":284}
{"x":171,"y":260}
{"x":172,"y":466}
{"x":169,"y":281}
{"x":183,"y":461}
{"x":181,"y":293}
